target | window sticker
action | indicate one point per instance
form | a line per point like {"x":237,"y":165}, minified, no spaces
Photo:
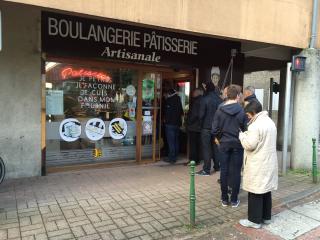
{"x":118,"y":128}
{"x":95,"y":129}
{"x":70,"y":129}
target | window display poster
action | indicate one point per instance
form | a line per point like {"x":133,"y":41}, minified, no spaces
{"x":70,"y":129}
{"x":54,"y":102}
{"x":147,"y":128}
{"x":147,"y":124}
{"x":95,"y":129}
{"x":148,"y":89}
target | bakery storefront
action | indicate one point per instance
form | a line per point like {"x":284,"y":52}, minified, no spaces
{"x":104,"y":83}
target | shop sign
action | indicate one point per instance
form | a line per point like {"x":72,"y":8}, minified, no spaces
{"x":77,"y":36}
{"x":70,"y":72}
{"x":70,"y":129}
{"x":95,"y":129}
{"x":118,"y":128}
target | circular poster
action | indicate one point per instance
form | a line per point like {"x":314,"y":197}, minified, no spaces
{"x":95,"y":129}
{"x":118,"y":128}
{"x":130,"y":90}
{"x":70,"y":129}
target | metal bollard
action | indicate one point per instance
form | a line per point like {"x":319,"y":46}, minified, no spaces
{"x":314,"y":161}
{"x":192,"y":195}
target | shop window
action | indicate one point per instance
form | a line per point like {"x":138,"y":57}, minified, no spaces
{"x":89,"y":108}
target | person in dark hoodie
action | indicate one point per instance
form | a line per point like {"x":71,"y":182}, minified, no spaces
{"x":209,"y":105}
{"x":249,"y":95}
{"x":172,"y":118}
{"x":228,"y":121}
{"x":194,"y":127}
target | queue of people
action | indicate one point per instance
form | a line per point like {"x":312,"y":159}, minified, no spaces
{"x":234,"y":133}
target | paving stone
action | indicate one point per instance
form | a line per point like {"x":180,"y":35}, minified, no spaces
{"x":165,"y":233}
{"x":107,"y":236}
{"x":12,"y":233}
{"x":8,"y":225}
{"x":106,"y":228}
{"x":78,"y":232}
{"x":59,"y":233}
{"x":136,"y":233}
{"x":157,"y":225}
{"x":33,"y":232}
{"x":3,"y":234}
{"x":311,"y":210}
{"x":42,"y":236}
{"x":36,"y":219}
{"x":146,"y":237}
{"x":28,"y":238}
{"x":89,"y":229}
{"x":67,"y":236}
{"x":90,"y":237}
{"x":145,"y":220}
{"x":117,"y":234}
{"x":299,"y":224}
{"x":148,"y":227}
{"x":131,"y":228}
{"x":120,"y":222}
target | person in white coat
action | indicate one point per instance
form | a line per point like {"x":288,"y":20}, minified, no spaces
{"x":260,"y":175}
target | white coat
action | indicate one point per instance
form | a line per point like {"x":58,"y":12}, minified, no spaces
{"x":260,"y":173}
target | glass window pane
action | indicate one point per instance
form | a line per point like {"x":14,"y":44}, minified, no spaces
{"x":93,"y":96}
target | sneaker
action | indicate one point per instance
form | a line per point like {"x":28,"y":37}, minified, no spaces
{"x":267,"y":222}
{"x":249,"y":224}
{"x":224,"y":203}
{"x":235,"y":204}
{"x":202,"y":173}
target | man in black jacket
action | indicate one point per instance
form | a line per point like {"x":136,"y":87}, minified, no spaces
{"x":249,"y":95}
{"x":172,"y":117}
{"x":194,"y":126}
{"x":208,"y":107}
{"x":229,"y":120}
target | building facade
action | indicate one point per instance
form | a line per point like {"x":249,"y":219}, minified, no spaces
{"x":82,"y":82}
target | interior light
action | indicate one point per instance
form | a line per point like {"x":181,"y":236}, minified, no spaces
{"x":50,"y":65}
{"x":187,"y":88}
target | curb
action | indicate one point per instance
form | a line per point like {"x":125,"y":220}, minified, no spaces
{"x":298,"y":196}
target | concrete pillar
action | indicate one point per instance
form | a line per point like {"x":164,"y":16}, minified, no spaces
{"x":282,"y":92}
{"x":20,"y":90}
{"x":306,"y":114}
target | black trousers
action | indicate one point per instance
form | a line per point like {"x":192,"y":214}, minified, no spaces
{"x":259,"y":207}
{"x":209,"y":151}
{"x":195,"y":146}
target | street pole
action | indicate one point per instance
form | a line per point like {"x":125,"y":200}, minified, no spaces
{"x":286,"y":119}
{"x":192,"y":195}
{"x":271,"y":97}
{"x":314,"y":161}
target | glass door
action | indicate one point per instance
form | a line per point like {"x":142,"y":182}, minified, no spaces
{"x":151,"y":116}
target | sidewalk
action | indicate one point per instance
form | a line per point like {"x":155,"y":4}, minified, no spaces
{"x":298,"y":220}
{"x":134,"y":202}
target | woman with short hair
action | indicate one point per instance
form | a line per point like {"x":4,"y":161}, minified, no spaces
{"x":260,"y":175}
